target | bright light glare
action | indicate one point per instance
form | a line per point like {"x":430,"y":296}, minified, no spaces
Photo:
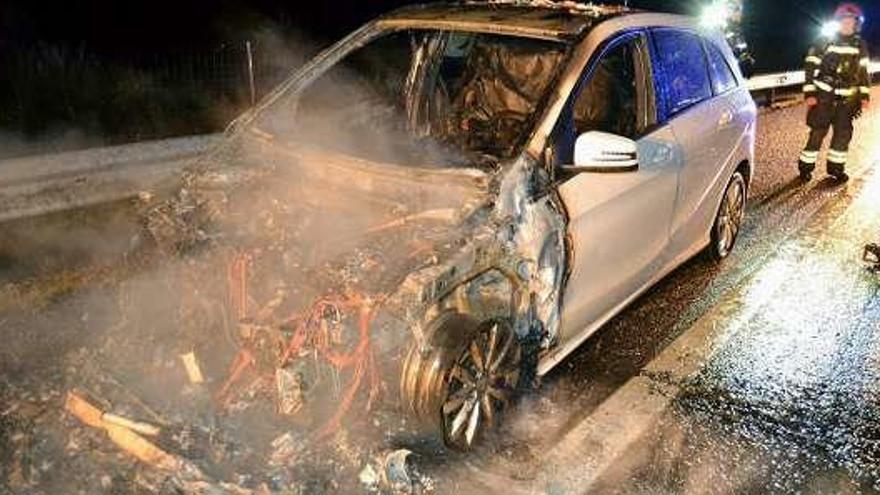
{"x":830,"y":28}
{"x":715,"y":15}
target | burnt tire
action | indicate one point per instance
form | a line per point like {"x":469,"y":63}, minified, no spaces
{"x":464,"y":379}
{"x":729,"y":217}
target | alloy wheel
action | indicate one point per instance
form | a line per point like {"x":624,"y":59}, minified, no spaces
{"x":730,"y":216}
{"x":481,"y":384}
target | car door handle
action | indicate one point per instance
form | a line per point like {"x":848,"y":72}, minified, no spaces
{"x":726,"y":118}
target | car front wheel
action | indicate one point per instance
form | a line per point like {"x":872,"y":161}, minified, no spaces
{"x":729,"y":219}
{"x":481,"y":384}
{"x":464,"y":376}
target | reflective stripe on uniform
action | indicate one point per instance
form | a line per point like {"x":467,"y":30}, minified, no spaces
{"x":812,"y":59}
{"x":809,"y":88}
{"x":823,"y":86}
{"x":865,"y":62}
{"x":865,"y":90}
{"x":830,"y":89}
{"x":835,"y":156}
{"x":809,"y":156}
{"x":844,"y":50}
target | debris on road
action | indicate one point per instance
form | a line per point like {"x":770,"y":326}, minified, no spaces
{"x":369,"y":477}
{"x":396,"y":472}
{"x":393,"y":472}
{"x":285,"y":448}
{"x":138,"y":427}
{"x":193,"y":371}
{"x":123,"y":432}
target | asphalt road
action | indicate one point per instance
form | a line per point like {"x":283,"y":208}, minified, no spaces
{"x":780,"y":395}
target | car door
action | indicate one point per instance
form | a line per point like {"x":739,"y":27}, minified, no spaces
{"x":618,"y":222}
{"x":731,"y":126}
{"x":700,"y":123}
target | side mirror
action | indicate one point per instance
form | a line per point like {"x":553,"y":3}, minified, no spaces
{"x":602,"y":152}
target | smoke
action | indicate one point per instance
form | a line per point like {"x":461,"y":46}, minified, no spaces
{"x":106,"y":301}
{"x":270,"y":263}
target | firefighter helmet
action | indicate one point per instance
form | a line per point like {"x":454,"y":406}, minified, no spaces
{"x":849,"y":10}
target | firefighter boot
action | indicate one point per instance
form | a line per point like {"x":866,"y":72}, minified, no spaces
{"x":837,"y":170}
{"x":806,"y":171}
{"x":807,"y":164}
{"x":872,"y":256}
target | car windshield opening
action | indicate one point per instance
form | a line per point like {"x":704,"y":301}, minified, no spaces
{"x":423,"y":98}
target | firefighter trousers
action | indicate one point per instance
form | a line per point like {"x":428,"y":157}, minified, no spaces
{"x":830,"y":112}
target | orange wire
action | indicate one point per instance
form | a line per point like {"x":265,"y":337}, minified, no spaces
{"x":308,"y":331}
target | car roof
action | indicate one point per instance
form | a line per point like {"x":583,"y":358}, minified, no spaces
{"x":564,"y":20}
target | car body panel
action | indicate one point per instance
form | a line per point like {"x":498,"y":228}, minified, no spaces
{"x":633,"y":212}
{"x":699,"y":150}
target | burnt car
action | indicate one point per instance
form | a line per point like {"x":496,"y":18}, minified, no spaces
{"x":454,"y":197}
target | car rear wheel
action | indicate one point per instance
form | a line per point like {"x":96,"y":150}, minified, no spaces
{"x":729,"y":219}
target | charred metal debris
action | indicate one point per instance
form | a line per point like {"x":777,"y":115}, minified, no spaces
{"x":343,"y":309}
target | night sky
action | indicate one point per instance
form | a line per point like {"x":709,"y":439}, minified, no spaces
{"x":779,"y":30}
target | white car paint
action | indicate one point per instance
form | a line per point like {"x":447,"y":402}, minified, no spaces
{"x":629,"y":230}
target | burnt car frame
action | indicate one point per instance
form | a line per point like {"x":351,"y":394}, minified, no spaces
{"x":546,"y":234}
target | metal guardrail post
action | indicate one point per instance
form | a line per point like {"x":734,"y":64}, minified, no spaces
{"x":250,"y":68}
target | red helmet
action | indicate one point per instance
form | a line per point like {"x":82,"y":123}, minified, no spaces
{"x":849,"y":10}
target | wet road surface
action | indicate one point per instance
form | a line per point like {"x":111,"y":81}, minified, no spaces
{"x":784,"y":400}
{"x":791,"y":399}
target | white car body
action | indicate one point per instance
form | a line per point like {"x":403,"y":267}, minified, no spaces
{"x":629,"y":230}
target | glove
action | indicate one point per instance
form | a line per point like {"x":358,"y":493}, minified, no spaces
{"x":812,"y":101}
{"x":860,"y":109}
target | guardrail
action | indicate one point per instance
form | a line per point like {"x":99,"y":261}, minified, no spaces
{"x":38,"y":185}
{"x":766,"y":82}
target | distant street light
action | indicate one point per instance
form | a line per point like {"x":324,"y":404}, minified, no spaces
{"x":715,"y":15}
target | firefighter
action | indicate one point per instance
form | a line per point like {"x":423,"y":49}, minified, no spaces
{"x":837,"y":90}
{"x":733,"y":32}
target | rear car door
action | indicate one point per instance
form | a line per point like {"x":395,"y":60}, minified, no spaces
{"x":699,"y":121}
{"x":618,"y":222}
{"x":732,"y":94}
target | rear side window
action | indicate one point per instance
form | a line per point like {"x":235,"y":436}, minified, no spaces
{"x":723,"y":79}
{"x":685,"y":77}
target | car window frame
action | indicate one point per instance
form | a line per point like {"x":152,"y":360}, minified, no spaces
{"x":664,"y":114}
{"x":647,"y":86}
{"x":708,"y":45}
{"x":642,"y":89}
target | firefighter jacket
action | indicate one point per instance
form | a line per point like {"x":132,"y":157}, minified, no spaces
{"x":839,"y":66}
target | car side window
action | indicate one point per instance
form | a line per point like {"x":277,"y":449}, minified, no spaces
{"x":723,"y":79}
{"x":607,"y":102}
{"x":614,"y":96}
{"x":685,"y":80}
